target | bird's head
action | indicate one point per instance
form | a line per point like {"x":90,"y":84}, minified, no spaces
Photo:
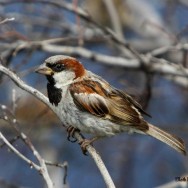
{"x":61,"y":70}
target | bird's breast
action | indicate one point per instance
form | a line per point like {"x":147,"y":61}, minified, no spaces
{"x":54,"y":94}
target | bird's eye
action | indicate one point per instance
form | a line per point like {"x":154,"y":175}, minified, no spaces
{"x":58,"y":67}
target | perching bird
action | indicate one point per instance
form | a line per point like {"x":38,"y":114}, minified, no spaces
{"x":87,"y":102}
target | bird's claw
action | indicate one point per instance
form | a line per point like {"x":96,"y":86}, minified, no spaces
{"x":83,"y":144}
{"x":86,"y":142}
{"x":71,"y":130}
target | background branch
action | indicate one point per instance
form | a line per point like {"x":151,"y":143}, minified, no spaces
{"x":175,"y":72}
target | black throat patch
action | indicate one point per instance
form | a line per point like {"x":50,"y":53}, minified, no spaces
{"x":54,"y":94}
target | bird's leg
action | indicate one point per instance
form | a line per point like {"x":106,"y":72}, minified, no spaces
{"x":71,"y":130}
{"x":85,"y":142}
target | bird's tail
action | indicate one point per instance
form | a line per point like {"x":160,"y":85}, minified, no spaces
{"x":169,"y":139}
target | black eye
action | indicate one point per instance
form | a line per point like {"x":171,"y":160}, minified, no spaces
{"x":58,"y":67}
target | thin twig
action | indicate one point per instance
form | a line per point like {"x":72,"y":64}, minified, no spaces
{"x":9,"y":117}
{"x":7,"y":20}
{"x":11,"y":141}
{"x":60,"y":165}
{"x":32,"y":164}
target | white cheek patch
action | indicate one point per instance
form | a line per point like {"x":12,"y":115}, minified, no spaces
{"x":63,"y":78}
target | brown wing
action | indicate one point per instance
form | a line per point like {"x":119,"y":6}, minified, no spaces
{"x":106,"y":103}
{"x":134,"y":102}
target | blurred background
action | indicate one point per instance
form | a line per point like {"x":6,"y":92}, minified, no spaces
{"x":31,"y":31}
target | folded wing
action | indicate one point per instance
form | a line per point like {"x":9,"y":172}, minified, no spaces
{"x":106,"y":102}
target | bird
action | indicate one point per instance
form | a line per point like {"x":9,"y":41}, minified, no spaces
{"x":86,"y":102}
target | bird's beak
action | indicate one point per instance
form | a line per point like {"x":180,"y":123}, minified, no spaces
{"x":43,"y":69}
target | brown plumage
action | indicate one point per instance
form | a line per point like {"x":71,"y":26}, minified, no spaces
{"x":88,"y":103}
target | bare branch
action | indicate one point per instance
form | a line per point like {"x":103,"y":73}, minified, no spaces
{"x":42,"y":169}
{"x":114,"y":18}
{"x":18,"y":153}
{"x":152,"y":64}
{"x":149,"y":63}
{"x":7,"y":20}
{"x":64,"y":166}
{"x":85,"y":16}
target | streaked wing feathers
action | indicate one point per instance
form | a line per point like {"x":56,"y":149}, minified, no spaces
{"x":107,"y":103}
{"x":93,"y":103}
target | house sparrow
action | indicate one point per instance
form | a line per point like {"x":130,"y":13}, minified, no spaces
{"x":87,"y":102}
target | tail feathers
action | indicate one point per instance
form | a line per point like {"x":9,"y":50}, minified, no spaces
{"x":171,"y":140}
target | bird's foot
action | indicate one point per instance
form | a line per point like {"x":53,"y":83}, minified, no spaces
{"x":86,"y":142}
{"x":71,"y":130}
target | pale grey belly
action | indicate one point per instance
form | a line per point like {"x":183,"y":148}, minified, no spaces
{"x":88,"y":123}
